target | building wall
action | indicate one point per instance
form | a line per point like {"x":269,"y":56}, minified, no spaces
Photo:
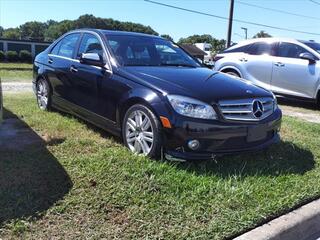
{"x":18,"y":45}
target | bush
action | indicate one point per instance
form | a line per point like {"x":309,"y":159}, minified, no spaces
{"x":2,"y":56}
{"x":12,"y":56}
{"x":25,"y":56}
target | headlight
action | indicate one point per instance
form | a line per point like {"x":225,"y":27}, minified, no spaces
{"x":191,"y":107}
{"x":275,"y":102}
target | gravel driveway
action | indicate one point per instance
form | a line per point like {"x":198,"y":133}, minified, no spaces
{"x":16,"y":87}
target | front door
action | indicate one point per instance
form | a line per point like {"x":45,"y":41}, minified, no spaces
{"x":293,"y":75}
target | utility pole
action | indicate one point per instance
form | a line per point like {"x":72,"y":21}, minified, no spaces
{"x":245,"y":31}
{"x":230,"y":23}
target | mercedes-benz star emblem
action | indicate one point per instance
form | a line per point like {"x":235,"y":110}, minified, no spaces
{"x":257,"y":108}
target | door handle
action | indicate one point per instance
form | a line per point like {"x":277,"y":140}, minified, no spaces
{"x":243,"y":60}
{"x":50,"y":61}
{"x":73,"y":69}
{"x":279,"y":64}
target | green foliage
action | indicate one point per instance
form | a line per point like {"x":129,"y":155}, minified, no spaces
{"x":262,"y":34}
{"x":13,"y":33}
{"x":217,"y":45}
{"x":2,"y":56}
{"x":167,"y":36}
{"x":33,"y":30}
{"x":25,"y":56}
{"x":51,"y":29}
{"x":12,"y":56}
{"x":1,"y":31}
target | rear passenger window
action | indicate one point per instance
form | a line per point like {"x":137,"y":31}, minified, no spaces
{"x":237,"y":49}
{"x":260,"y":49}
{"x":66,"y":46}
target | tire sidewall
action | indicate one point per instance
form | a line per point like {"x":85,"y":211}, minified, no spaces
{"x":155,"y":151}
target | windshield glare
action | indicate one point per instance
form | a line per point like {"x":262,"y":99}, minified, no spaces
{"x":315,"y":46}
{"x":148,"y":51}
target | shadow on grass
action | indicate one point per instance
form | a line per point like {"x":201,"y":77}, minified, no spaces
{"x":282,"y":158}
{"x":31,"y":178}
{"x":297,"y":103}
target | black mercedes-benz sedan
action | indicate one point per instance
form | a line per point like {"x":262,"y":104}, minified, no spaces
{"x":154,"y":95}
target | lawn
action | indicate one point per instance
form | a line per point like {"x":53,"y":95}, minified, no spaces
{"x":16,"y":72}
{"x":78,"y":182}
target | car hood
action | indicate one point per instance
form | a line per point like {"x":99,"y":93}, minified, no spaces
{"x":201,"y":83}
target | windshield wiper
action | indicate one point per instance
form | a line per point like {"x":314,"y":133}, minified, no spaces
{"x":177,"y":65}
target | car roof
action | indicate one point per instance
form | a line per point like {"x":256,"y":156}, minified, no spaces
{"x":114,"y":32}
{"x":273,"y":39}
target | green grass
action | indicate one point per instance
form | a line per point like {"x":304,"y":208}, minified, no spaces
{"x":16,"y":66}
{"x":16,"y":72}
{"x":15,"y":76}
{"x":79,"y":182}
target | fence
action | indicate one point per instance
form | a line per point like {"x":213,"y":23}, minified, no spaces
{"x":33,"y":47}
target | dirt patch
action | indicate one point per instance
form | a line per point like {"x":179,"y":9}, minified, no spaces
{"x":301,"y":113}
{"x":16,"y":87}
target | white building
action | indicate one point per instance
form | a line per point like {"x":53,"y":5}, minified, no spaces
{"x":206,"y":47}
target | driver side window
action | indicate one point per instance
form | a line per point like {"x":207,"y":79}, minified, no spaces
{"x":290,"y":50}
{"x":90,"y":44}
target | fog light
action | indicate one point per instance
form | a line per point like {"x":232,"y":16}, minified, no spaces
{"x":193,"y":144}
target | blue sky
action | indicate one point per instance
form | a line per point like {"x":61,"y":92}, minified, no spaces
{"x":171,"y":21}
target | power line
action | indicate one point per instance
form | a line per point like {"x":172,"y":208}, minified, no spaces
{"x":313,"y":1}
{"x":236,"y":20}
{"x":277,"y":10}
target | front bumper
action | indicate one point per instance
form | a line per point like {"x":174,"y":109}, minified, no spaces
{"x":220,"y":137}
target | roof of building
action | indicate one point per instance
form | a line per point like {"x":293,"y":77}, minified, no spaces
{"x":193,"y":50}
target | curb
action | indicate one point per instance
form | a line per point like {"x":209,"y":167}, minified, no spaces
{"x":300,"y":224}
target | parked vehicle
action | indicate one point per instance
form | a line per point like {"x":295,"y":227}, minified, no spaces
{"x":153,"y":94}
{"x":285,"y":66}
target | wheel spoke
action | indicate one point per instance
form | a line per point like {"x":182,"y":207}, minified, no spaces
{"x":145,"y":147}
{"x":145,"y":125}
{"x":137,"y":146}
{"x":131,"y":124}
{"x":138,"y":118}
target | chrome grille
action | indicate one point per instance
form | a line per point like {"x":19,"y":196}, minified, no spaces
{"x":243,"y":109}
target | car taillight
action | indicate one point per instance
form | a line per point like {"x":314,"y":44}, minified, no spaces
{"x":216,"y":58}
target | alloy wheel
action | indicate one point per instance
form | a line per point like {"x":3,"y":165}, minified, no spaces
{"x":139,"y":133}
{"x":42,"y":94}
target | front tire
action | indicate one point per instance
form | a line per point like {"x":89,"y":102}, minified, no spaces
{"x":43,"y":94}
{"x":141,"y":131}
{"x":232,"y":73}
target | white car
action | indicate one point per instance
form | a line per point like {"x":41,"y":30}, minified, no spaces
{"x":287,"y":67}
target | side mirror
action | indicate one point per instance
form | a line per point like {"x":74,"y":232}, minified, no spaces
{"x":308,"y":56}
{"x":92,"y":59}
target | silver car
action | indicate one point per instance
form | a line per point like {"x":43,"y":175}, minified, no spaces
{"x":287,"y":67}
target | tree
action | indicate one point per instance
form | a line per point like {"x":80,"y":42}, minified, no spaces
{"x":262,"y":34}
{"x":51,"y":29}
{"x":205,"y":38}
{"x":1,"y":31}
{"x":12,"y":33}
{"x":33,"y":30}
{"x":217,"y":44}
{"x":167,"y":36}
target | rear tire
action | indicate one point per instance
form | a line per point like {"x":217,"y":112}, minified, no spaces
{"x":43,"y":94}
{"x":142,"y":131}
{"x":318,"y":100}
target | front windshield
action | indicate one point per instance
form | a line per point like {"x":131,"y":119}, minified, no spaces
{"x":315,"y":46}
{"x":148,"y":51}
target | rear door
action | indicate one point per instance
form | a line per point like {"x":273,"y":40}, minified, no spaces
{"x":59,"y":61}
{"x":257,"y":63}
{"x":293,"y":75}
